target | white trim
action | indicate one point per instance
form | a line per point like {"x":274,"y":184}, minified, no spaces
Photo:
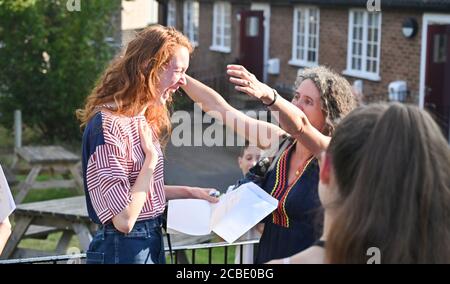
{"x":362,"y":73}
{"x":188,"y":28}
{"x":265,"y":7}
{"x":427,"y":19}
{"x":153,"y":12}
{"x":219,"y":19}
{"x":220,"y":49}
{"x":300,"y":63}
{"x":304,"y":62}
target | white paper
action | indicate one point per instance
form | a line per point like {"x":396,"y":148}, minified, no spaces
{"x":235,"y":213}
{"x":189,"y":216}
{"x":7,"y":204}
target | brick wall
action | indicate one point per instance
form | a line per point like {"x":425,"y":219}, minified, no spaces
{"x":333,"y":38}
{"x":400,"y":57}
{"x":210,"y":66}
{"x":280,"y":45}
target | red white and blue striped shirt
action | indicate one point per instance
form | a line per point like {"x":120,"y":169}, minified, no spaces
{"x":112,"y":160}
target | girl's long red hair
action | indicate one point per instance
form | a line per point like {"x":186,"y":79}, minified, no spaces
{"x":131,"y":80}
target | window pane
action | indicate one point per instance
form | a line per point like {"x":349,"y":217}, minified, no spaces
{"x":311,"y":56}
{"x":217,"y":40}
{"x":375,"y":19}
{"x":227,"y":42}
{"x":171,"y":14}
{"x":227,"y":31}
{"x":370,"y":20}
{"x":359,"y":18}
{"x":302,"y":41}
{"x":301,"y":25}
{"x":252,"y":27}
{"x":439,"y":48}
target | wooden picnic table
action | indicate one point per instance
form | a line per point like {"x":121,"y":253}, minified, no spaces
{"x":69,"y":215}
{"x":54,"y":157}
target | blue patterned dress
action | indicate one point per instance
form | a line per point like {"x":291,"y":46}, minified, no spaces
{"x":296,"y":223}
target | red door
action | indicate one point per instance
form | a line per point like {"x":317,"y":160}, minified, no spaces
{"x":252,"y":42}
{"x":437,"y":78}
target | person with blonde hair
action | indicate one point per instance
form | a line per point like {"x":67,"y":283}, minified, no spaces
{"x":127,"y":124}
{"x":321,"y":99}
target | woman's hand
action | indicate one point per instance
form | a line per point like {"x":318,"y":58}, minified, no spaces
{"x":5,"y":232}
{"x":246,"y":82}
{"x":145,"y":134}
{"x":204,"y":193}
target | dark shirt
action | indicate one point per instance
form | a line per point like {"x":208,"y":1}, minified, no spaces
{"x":295,"y":224}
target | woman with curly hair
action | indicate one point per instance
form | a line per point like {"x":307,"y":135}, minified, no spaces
{"x":321,"y":99}
{"x":126,"y":124}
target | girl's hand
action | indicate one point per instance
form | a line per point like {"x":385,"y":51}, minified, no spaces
{"x":204,"y":193}
{"x":145,"y":134}
{"x":246,"y":82}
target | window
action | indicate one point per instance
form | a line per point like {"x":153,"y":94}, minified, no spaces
{"x":171,"y":14}
{"x":305,"y":39}
{"x":191,"y":21}
{"x":363,"y":51}
{"x":153,"y":12}
{"x":221,"y":40}
{"x":439,"y":48}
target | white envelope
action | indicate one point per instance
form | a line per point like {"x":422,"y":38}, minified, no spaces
{"x":236,"y":212}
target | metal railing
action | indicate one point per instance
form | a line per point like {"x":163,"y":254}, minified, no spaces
{"x":180,"y":254}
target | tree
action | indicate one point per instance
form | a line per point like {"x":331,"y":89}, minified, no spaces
{"x":50,"y":59}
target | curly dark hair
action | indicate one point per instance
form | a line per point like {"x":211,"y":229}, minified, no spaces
{"x":335,"y":93}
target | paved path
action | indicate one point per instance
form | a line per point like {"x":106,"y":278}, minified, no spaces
{"x":215,"y":167}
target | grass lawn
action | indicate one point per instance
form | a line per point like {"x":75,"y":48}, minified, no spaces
{"x":217,"y":256}
{"x":50,"y":243}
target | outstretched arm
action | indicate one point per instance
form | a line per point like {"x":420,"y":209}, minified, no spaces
{"x":181,"y":192}
{"x":291,"y":118}
{"x":257,"y":132}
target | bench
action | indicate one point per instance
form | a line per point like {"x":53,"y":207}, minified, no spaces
{"x":56,"y":157}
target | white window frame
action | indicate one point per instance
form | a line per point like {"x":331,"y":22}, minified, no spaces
{"x":153,"y":12}
{"x":191,"y":21}
{"x":295,"y":61}
{"x":363,"y":73}
{"x":219,"y":22}
{"x":171,"y":13}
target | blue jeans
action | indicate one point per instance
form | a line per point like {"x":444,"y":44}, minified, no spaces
{"x":143,"y":245}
